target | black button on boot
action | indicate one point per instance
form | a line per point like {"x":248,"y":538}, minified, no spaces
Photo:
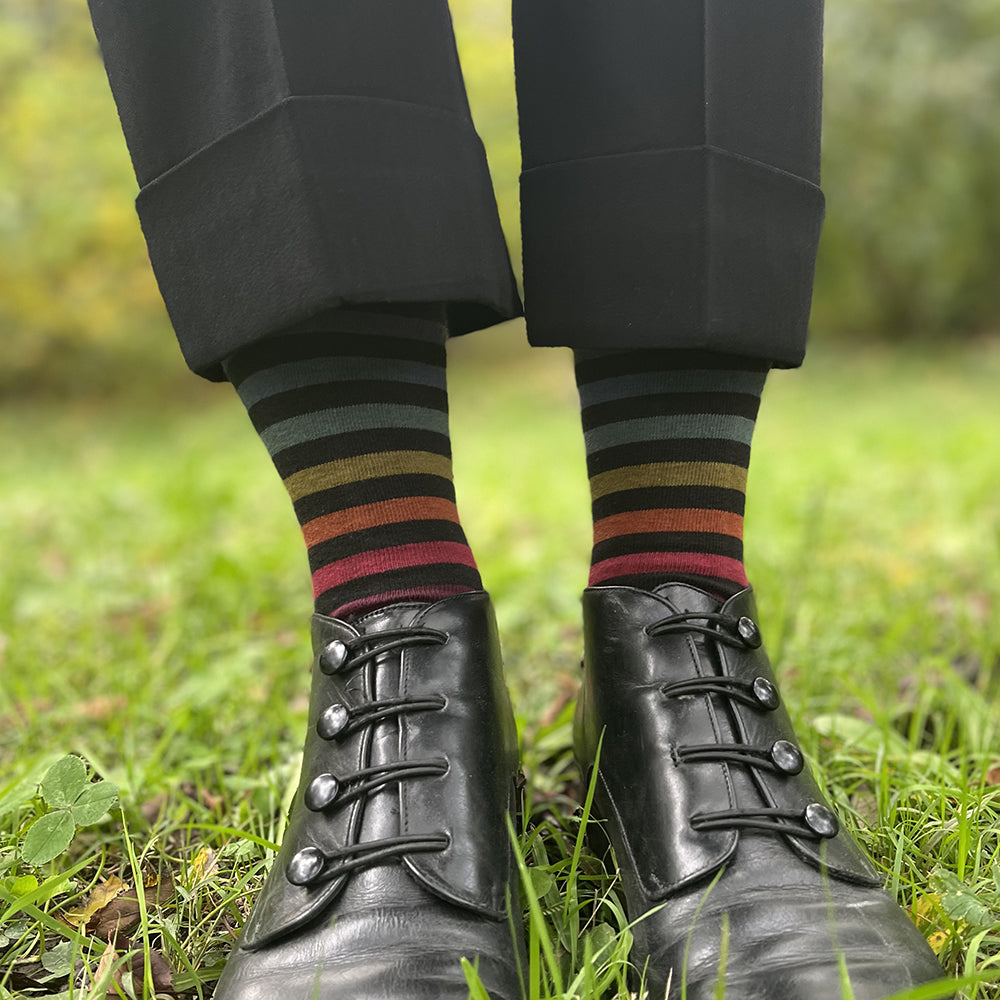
{"x":397,"y":861}
{"x":714,"y":817}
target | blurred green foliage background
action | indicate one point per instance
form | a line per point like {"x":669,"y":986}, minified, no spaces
{"x":910,"y":249}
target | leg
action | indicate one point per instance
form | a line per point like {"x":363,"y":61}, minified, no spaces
{"x":319,"y":213}
{"x":671,"y":212}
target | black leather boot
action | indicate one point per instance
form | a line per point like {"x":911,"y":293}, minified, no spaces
{"x":397,"y":861}
{"x":715,"y":818}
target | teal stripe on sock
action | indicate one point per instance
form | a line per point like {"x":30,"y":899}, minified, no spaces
{"x":345,"y":419}
{"x":653,"y":383}
{"x":705,"y":426}
{"x":319,"y":371}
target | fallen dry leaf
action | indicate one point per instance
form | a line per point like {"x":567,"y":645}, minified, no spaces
{"x":116,"y":911}
{"x":99,"y":897}
{"x":162,"y":974}
{"x":120,"y":915}
{"x":108,"y":959}
{"x":204,"y":864}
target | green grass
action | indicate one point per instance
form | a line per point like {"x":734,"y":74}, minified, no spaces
{"x":154,"y":602}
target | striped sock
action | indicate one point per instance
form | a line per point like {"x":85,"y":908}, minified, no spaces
{"x":668,"y":445}
{"x":357,"y":427}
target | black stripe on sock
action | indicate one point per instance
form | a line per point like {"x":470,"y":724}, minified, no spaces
{"x":384,"y":536}
{"x":310,"y":346}
{"x":717,"y":450}
{"x":707,"y":543}
{"x":339,"y":446}
{"x":331,"y":395}
{"x":667,"y":404}
{"x":372,"y":491}
{"x":670,"y":498}
{"x":410,"y":578}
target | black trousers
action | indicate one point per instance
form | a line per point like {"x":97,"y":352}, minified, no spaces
{"x":298,"y":156}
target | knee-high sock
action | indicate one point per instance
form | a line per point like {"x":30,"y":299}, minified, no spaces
{"x":668,"y":445}
{"x":357,"y":427}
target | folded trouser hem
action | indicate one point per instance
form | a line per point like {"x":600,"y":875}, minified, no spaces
{"x":319,"y":203}
{"x":689,"y":249}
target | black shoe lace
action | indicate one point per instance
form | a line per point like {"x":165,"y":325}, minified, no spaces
{"x":816,"y":821}
{"x":328,"y":793}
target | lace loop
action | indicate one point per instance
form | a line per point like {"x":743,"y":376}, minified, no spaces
{"x":343,"y":653}
{"x":327,"y":793}
{"x":782,"y":757}
{"x":311,"y":866}
{"x":742,"y":631}
{"x":339,"y":721}
{"x":815,"y":822}
{"x":327,"y":790}
{"x":758,"y":693}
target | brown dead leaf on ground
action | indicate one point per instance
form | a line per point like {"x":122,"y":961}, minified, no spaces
{"x":119,"y":916}
{"x":100,"y":896}
{"x":112,"y":908}
{"x":108,"y":959}
{"x":162,"y":974}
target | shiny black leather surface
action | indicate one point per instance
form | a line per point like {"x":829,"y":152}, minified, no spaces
{"x":793,"y":903}
{"x":398,"y":929}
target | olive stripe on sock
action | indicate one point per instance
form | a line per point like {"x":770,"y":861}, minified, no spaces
{"x":297,"y":458}
{"x":357,"y":427}
{"x":365,"y":467}
{"x":668,"y":438}
{"x":716,"y":474}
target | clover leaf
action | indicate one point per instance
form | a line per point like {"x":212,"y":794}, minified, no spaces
{"x":73,"y":801}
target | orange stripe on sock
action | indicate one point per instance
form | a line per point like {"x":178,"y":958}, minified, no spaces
{"x":722,"y":522}
{"x":372,"y":515}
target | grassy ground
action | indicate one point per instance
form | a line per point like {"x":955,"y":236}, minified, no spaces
{"x":153,"y":619}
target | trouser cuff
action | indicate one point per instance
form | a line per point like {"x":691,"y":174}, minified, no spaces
{"x":688,"y":249}
{"x":319,"y":203}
